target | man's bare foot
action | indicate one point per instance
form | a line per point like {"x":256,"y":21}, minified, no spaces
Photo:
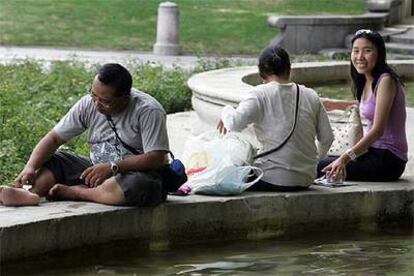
{"x":10,"y":196}
{"x":63,"y":192}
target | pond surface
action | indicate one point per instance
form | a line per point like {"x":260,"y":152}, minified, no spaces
{"x":343,"y":91}
{"x":332,"y":254}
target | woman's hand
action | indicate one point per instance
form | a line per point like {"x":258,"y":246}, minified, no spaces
{"x":336,"y":171}
{"x":221,"y":128}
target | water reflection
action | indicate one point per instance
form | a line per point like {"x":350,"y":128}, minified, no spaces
{"x":373,"y":257}
{"x":335,"y":254}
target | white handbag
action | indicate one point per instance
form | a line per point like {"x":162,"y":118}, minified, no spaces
{"x":347,"y":129}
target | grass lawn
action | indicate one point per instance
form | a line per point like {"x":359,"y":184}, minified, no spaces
{"x":207,"y":26}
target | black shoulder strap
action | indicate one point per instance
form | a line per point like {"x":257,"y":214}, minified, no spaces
{"x":112,"y":125}
{"x":291,"y":132}
{"x":128,"y":147}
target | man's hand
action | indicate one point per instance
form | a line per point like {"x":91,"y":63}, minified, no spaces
{"x":26,"y":177}
{"x":43,"y":150}
{"x":96,"y":175}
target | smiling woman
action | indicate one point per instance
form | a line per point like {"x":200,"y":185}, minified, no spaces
{"x":381,"y":154}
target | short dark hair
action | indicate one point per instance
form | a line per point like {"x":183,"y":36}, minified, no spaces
{"x":116,"y":76}
{"x":380,"y":67}
{"x":274,"y":60}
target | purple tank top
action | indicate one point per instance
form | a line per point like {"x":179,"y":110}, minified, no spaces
{"x":394,"y":137}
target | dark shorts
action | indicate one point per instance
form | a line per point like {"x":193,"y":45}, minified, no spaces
{"x":140,"y":188}
{"x":375,"y":165}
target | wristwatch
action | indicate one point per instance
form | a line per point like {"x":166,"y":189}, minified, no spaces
{"x":114,"y":168}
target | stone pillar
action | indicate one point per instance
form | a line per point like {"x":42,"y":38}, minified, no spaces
{"x":407,"y":7}
{"x":167,"y":30}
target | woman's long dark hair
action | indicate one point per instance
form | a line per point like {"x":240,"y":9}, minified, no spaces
{"x":381,"y":65}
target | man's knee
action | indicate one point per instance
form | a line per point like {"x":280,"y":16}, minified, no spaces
{"x":141,"y":188}
{"x":67,"y":167}
{"x":111,"y":191}
{"x":44,"y":180}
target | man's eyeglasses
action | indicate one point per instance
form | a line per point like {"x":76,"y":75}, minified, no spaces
{"x":364,"y":31}
{"x":103,"y":102}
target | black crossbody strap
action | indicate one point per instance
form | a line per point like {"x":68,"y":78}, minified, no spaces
{"x":128,"y":147}
{"x":112,"y":125}
{"x":291,"y":132}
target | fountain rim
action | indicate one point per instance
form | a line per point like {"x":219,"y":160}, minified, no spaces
{"x":228,"y":85}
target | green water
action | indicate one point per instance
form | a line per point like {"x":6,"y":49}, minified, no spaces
{"x":327,"y":254}
{"x":343,"y":91}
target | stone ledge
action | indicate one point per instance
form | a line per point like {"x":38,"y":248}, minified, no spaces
{"x":52,"y":226}
{"x":310,"y":34}
{"x":284,"y":20}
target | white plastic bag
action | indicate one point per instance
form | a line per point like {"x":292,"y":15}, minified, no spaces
{"x":225,"y":178}
{"x":233,"y":145}
{"x":207,"y":149}
{"x":196,"y":156}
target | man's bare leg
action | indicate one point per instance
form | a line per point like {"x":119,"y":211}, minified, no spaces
{"x":108,"y":192}
{"x":45,"y":180}
{"x":20,"y":197}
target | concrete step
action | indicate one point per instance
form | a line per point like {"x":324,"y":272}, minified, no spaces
{"x":386,"y":33}
{"x":345,"y":54}
{"x":404,"y":38}
{"x":396,"y":56}
{"x":400,"y":48}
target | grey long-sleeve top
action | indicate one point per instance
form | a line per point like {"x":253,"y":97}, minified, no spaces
{"x":270,"y":108}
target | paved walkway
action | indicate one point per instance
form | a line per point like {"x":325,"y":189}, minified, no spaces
{"x":14,"y":54}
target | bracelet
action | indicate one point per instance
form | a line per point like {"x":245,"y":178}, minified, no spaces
{"x":351,"y":154}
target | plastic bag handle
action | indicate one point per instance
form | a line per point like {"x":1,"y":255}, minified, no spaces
{"x":251,"y":183}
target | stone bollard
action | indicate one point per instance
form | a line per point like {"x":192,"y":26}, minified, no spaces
{"x":167,"y":30}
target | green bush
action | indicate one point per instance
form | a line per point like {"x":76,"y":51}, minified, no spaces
{"x":32,"y":100}
{"x":169,"y":87}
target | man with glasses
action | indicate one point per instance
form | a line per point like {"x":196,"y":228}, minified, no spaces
{"x":128,"y":142}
